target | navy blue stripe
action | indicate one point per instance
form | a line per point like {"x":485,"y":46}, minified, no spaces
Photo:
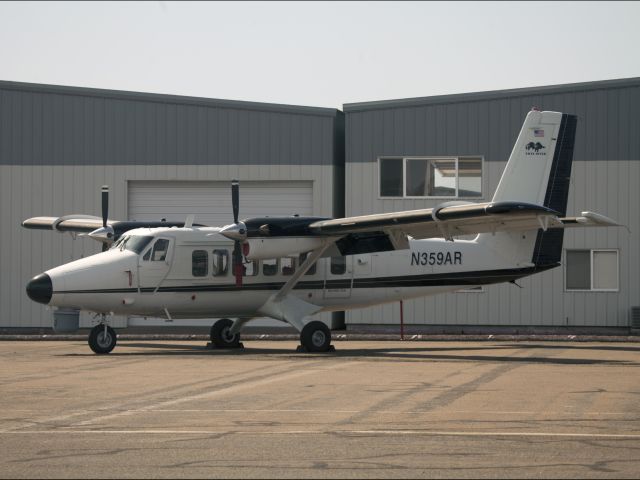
{"x":548,"y":248}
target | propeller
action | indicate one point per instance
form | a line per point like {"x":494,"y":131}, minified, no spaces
{"x":105,"y":213}
{"x":105,"y":233}
{"x":236,"y":232}
{"x":237,"y":247}
{"x":105,"y":205}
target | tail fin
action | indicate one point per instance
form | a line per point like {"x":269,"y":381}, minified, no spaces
{"x":539,"y":167}
{"x":538,"y":172}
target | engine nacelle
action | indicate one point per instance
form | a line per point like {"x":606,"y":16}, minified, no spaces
{"x":267,"y":248}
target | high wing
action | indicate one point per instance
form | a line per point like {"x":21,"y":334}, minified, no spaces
{"x":450,"y":220}
{"x":89,"y":223}
{"x":68,"y":223}
{"x":272,"y":237}
{"x":100,"y":229}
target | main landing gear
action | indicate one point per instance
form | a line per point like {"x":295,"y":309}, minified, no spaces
{"x":102,"y":339}
{"x":222,"y":336}
{"x":315,"y":337}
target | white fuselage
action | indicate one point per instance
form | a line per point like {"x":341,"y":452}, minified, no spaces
{"x":194,"y":278}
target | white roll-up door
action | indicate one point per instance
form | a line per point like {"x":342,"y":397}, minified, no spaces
{"x":210,"y":202}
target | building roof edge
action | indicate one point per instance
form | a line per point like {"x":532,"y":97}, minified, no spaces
{"x":489,"y":95}
{"x":167,"y":98}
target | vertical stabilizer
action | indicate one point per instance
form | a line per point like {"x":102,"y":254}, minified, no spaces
{"x":533,"y":166}
{"x":538,"y":172}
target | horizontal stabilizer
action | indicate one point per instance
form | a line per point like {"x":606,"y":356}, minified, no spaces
{"x":589,"y":219}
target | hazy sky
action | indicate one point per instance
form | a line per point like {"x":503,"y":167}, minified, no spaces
{"x":319,"y":54}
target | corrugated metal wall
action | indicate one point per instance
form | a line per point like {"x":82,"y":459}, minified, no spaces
{"x":58,"y":145}
{"x":46,"y":125}
{"x":605,"y":178}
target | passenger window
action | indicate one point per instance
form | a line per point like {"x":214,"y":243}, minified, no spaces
{"x":288,"y":266}
{"x":220,"y":263}
{"x":199,"y":263}
{"x":270,"y":267}
{"x":147,"y":255}
{"x":338,"y":265}
{"x":251,"y":269}
{"x":160,"y":250}
{"x":312,"y":268}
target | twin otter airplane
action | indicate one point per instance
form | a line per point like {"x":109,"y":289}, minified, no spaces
{"x":289,"y":268}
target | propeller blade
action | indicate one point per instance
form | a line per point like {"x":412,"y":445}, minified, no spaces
{"x":105,"y":247}
{"x":105,"y":204}
{"x":237,"y":263}
{"x":235,"y":199}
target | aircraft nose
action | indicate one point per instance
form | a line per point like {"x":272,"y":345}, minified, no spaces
{"x":40,"y":289}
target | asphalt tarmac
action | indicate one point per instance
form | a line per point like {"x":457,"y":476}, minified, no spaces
{"x":158,"y":409}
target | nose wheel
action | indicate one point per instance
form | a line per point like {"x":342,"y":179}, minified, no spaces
{"x":222,"y":337}
{"x":102,"y":339}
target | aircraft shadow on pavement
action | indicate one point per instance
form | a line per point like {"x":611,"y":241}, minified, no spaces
{"x":402,"y":353}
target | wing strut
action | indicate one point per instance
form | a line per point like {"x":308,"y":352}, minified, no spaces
{"x":289,"y":308}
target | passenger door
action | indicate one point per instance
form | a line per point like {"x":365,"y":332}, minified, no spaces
{"x":338,"y":277}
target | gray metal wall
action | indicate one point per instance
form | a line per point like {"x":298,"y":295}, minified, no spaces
{"x":58,"y":145}
{"x":50,"y":125}
{"x":605,"y":178}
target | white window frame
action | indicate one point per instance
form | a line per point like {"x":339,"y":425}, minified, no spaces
{"x":404,"y":177}
{"x":591,"y":252}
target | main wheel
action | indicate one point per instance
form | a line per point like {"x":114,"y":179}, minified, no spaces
{"x":101,"y":341}
{"x":316,"y":337}
{"x":221,"y":336}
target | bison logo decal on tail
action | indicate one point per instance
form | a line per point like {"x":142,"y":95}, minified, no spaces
{"x":534,"y":146}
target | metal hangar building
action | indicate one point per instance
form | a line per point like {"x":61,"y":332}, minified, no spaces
{"x":169,"y":156}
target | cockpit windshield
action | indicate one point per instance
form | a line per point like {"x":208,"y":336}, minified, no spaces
{"x":134,"y":243}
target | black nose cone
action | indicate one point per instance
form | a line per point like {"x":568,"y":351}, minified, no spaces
{"x":39,"y":289}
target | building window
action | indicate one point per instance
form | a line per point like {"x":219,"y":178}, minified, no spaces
{"x":220,"y":263}
{"x":199,"y":263}
{"x":592,"y":270}
{"x":412,"y":177}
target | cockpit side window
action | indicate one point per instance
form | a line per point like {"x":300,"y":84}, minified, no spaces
{"x":137,"y":243}
{"x":160,"y":248}
{"x":133,"y":243}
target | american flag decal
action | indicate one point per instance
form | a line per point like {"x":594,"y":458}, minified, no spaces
{"x":538,"y":132}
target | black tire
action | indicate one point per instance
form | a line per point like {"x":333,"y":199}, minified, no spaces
{"x":100,"y":342}
{"x":316,"y":337}
{"x":220,"y":336}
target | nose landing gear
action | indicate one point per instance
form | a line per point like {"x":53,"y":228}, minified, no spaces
{"x":102,"y":339}
{"x":222,"y":335}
